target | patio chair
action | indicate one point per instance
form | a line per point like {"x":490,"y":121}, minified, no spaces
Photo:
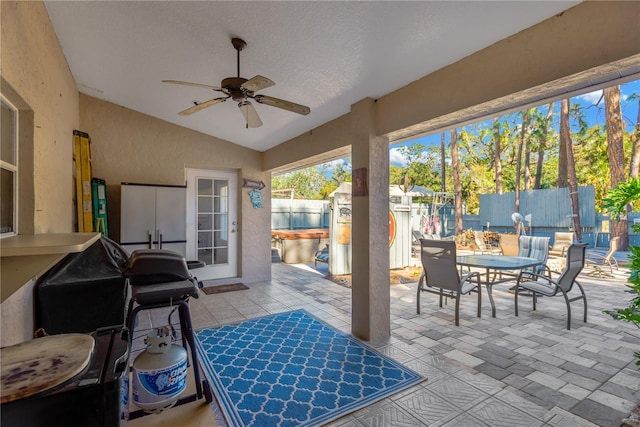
{"x":483,"y":247}
{"x":561,"y":241}
{"x":415,"y":243}
{"x":321,"y":256}
{"x":509,"y":244}
{"x":545,"y":285}
{"x":440,"y":275}
{"x":538,"y":249}
{"x":597,"y":261}
{"x":531,"y":247}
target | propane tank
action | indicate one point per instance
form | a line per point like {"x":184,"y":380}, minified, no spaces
{"x":159,"y":372}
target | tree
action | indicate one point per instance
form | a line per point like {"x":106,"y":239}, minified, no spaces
{"x":497,"y":153}
{"x":457,"y":188}
{"x":635,"y":141}
{"x":615,"y":153}
{"x":306,"y":183}
{"x":521,"y":142}
{"x":443,"y":165}
{"x":562,"y":153}
{"x":527,"y":164}
{"x":542,"y":146}
{"x":565,"y":136}
{"x":411,"y":154}
{"x":342,"y":172}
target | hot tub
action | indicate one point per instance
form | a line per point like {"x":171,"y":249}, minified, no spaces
{"x":299,"y":246}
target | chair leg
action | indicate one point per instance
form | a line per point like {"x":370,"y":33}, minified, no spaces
{"x":566,"y":300}
{"x":479,"y":301}
{"x":516,"y":300}
{"x":420,"y":282}
{"x":584,"y":300}
{"x":535,"y":298}
{"x":457,"y":297}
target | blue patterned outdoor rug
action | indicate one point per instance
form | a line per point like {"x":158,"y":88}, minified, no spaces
{"x":292,"y":369}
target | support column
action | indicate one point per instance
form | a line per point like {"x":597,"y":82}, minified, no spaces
{"x":371,"y":317}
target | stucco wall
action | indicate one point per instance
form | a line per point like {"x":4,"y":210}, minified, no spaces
{"x":35,"y":67}
{"x":128,"y":146}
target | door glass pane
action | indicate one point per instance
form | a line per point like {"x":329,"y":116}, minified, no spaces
{"x":204,"y":187}
{"x":205,"y":222}
{"x":221,"y":187}
{"x":220,"y":221}
{"x":204,"y":204}
{"x":8,"y":129}
{"x":221,"y":256}
{"x":205,"y":255}
{"x":7,"y":188}
{"x":204,"y":239}
{"x":221,"y":239}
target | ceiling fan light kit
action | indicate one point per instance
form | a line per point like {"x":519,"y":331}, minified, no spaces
{"x":241,"y":90}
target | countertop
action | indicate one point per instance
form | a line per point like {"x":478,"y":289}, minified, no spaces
{"x":25,"y":257}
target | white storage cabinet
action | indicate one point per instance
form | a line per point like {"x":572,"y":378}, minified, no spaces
{"x":153,"y":217}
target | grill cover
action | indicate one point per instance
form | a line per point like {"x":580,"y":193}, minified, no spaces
{"x":85,"y":291}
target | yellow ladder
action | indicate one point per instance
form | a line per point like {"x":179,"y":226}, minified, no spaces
{"x":82,"y":158}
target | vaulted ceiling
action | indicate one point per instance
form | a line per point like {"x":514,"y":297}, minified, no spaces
{"x":325,"y":55}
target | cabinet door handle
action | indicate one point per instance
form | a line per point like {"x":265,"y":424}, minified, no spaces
{"x":150,"y":239}
{"x":160,"y":239}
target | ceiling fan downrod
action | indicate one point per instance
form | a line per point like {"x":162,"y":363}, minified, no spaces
{"x":238,"y":45}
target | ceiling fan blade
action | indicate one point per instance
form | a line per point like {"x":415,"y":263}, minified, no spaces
{"x":257,"y":83}
{"x":250,"y":114}
{"x":202,"y":106}
{"x":178,"y":82}
{"x":281,"y":103}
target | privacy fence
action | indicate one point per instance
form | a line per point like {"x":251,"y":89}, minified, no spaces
{"x":549,"y":210}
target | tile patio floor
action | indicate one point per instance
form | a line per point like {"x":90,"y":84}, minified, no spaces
{"x":504,"y":371}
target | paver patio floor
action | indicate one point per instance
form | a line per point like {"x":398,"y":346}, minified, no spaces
{"x":504,"y":371}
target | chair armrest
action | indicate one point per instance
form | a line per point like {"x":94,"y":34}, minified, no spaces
{"x":469,"y":275}
{"x":533,"y":275}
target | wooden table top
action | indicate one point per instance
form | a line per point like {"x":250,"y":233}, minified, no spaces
{"x":40,"y":364}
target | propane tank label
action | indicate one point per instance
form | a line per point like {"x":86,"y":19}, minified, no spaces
{"x":166,"y":382}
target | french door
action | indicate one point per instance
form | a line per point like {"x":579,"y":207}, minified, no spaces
{"x":212,"y":223}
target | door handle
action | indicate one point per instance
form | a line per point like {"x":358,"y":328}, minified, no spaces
{"x":150,"y":239}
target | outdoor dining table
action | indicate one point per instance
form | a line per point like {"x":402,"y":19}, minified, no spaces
{"x":496,"y":263}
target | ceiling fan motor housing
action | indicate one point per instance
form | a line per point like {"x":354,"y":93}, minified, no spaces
{"x":232,"y":86}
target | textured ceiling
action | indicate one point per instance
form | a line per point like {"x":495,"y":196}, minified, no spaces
{"x":326,"y":55}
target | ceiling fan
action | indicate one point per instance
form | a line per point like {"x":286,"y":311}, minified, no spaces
{"x":240,"y":90}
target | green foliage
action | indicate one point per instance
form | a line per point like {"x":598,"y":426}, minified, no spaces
{"x":624,"y":194}
{"x":306,"y":183}
{"x":617,"y":202}
{"x":423,"y":167}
